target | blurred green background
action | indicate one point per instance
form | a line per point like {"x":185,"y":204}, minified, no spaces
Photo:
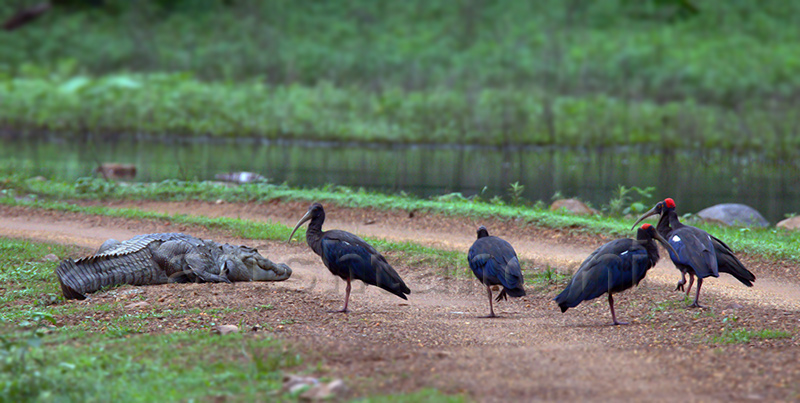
{"x":661,"y":76}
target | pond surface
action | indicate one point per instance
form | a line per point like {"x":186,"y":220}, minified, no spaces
{"x":694,"y":179}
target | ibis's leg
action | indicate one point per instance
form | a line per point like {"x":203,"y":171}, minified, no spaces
{"x":682,"y":282}
{"x":691,"y":281}
{"x":346,"y":298}
{"x":613,"y":314}
{"x":696,"y":303}
{"x":491,"y":307}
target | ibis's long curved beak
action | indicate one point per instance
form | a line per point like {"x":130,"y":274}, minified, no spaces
{"x":299,"y":223}
{"x":649,"y":213}
{"x":666,"y":244}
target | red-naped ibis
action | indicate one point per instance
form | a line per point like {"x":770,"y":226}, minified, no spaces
{"x":613,"y":267}
{"x":349,"y":257}
{"x":697,"y":252}
{"x":494,"y":262}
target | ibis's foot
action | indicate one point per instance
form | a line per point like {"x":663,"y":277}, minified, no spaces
{"x":695,"y":304}
{"x":491,"y":315}
{"x":339,"y":311}
{"x":615,"y":323}
{"x":679,"y":287}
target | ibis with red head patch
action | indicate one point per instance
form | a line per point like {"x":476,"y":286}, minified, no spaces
{"x":613,"y":268}
{"x":349,"y":257}
{"x":494,"y":262}
{"x":696,"y":251}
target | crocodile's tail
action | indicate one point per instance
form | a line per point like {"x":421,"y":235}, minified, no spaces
{"x":87,"y":275}
{"x":67,"y":281}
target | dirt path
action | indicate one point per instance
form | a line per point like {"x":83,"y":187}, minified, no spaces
{"x":436,"y":340}
{"x":543,"y":247}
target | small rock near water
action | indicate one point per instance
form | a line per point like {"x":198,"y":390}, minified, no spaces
{"x":790,"y":223}
{"x":240,"y":177}
{"x":734,"y":214}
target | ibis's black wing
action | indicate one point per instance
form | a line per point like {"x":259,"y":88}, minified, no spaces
{"x":695,"y":249}
{"x":349,"y":256}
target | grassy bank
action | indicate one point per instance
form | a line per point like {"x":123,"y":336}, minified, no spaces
{"x":180,"y":105}
{"x":771,"y":243}
{"x":724,"y":53}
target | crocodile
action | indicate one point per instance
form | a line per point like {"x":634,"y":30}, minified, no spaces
{"x":165,"y":258}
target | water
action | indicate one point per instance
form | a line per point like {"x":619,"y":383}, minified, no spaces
{"x":694,"y":179}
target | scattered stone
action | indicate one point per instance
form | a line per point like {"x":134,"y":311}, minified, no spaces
{"x":50,"y":258}
{"x":734,"y":214}
{"x":322,"y":391}
{"x":225,"y":329}
{"x":790,"y":223}
{"x":137,"y":305}
{"x":573,"y":206}
{"x":734,"y":305}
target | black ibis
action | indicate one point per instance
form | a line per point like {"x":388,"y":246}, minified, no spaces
{"x":613,"y":267}
{"x":494,"y":262}
{"x":349,"y":257}
{"x":696,"y":251}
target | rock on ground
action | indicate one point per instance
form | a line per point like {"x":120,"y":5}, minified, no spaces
{"x":789,"y":223}
{"x":734,"y":214}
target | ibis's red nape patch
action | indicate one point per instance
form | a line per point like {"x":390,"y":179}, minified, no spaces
{"x":669,"y":202}
{"x":646,"y":226}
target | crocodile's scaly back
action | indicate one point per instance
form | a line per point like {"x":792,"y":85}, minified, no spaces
{"x":140,"y":242}
{"x":128,"y":262}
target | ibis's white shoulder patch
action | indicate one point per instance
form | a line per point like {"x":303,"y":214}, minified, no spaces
{"x":676,"y":238}
{"x":346,"y":243}
{"x":623,"y":253}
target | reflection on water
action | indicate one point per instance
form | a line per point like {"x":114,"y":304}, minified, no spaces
{"x":696,"y":180}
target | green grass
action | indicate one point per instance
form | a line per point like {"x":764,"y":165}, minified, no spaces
{"x":27,"y":275}
{"x":741,"y":336}
{"x":496,"y":73}
{"x":173,"y":367}
{"x":771,"y":243}
{"x":546,"y":277}
{"x":633,"y":49}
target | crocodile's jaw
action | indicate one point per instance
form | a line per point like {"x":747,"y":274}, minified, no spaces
{"x":277,"y":272}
